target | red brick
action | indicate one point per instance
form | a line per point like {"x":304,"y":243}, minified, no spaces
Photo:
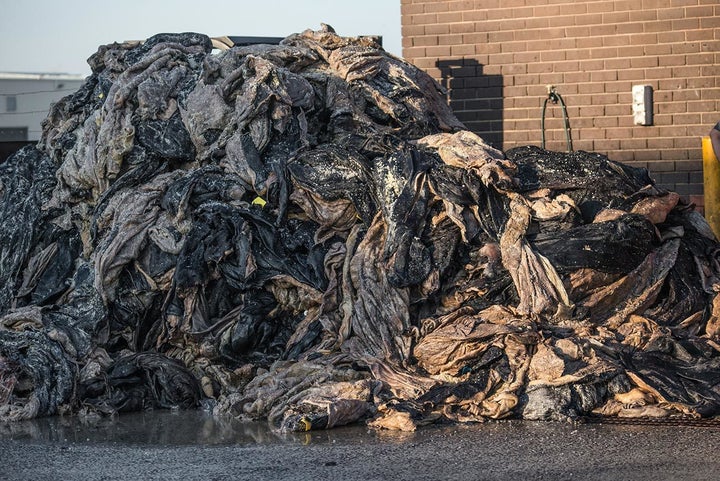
{"x":475,"y":38}
{"x":453,"y":39}
{"x":437,"y":29}
{"x":633,"y":144}
{"x":619,"y":5}
{"x":466,"y":27}
{"x":617,"y":63}
{"x":589,"y":19}
{"x":576,"y":54}
{"x":592,"y":111}
{"x":603,"y":99}
{"x":528,"y":102}
{"x":412,"y":30}
{"x":605,"y":52}
{"x":710,"y":46}
{"x":561,"y":44}
{"x":644,"y":15}
{"x":620,"y":155}
{"x":412,"y":8}
{"x":674,"y":154}
{"x":547,"y":11}
{"x":589,"y":65}
{"x":439,"y":51}
{"x":626,"y":28}
{"x":552,"y":55}
{"x":561,"y":21}
{"x":590,"y":133}
{"x":616,"y":40}
{"x":699,"y":11}
{"x":449,"y":17}
{"x":531,"y":34}
{"x":603,"y":75}
{"x":474,"y":15}
{"x":631,"y":51}
{"x":499,"y":13}
{"x":619,"y":87}
{"x":699,"y":59}
{"x":569,"y":66}
{"x":595,"y":7}
{"x":576,"y":77}
{"x":526,"y":57}
{"x":658,"y":73}
{"x":538,"y":22}
{"x":425,"y":41}
{"x":685,"y":142}
{"x":500,"y":58}
{"x":709,"y":119}
{"x":459,"y":5}
{"x":551,"y":78}
{"x":672,"y":107}
{"x":413,"y":52}
{"x":643,"y":39}
{"x":616,"y":17}
{"x":660,"y":95}
{"x":672,"y":84}
{"x":647,"y":155}
{"x":602,"y":30}
{"x":660,"y":166}
{"x":514,"y":136}
{"x":589,"y":42}
{"x":670,"y":13}
{"x":631,"y":74}
{"x":434,"y":7}
{"x":674,"y":60}
{"x":655,"y":50}
{"x":582,"y":31}
{"x":686,"y":72}
{"x":710,"y":94}
{"x":513,"y":69}
{"x":423,"y":19}
{"x":662,"y":25}
{"x":591,"y":88}
{"x":639,"y":62}
{"x":671,"y":37}
{"x":682,"y":48}
{"x":462,"y":50}
{"x":701,"y":83}
{"x":526,"y":12}
{"x":687,"y":24}
{"x":499,"y":37}
{"x":710,"y":22}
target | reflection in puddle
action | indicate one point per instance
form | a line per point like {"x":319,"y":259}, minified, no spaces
{"x":179,"y":428}
{"x":176,"y":428}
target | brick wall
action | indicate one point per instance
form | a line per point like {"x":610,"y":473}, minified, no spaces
{"x":496,"y":57}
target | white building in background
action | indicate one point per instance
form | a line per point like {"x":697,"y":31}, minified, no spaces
{"x":25,"y":99}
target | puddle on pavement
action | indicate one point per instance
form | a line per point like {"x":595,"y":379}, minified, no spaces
{"x":179,"y":428}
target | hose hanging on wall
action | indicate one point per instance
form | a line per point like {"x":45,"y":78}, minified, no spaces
{"x":555,"y":97}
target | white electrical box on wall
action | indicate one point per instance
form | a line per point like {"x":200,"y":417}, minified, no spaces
{"x":642,"y":104}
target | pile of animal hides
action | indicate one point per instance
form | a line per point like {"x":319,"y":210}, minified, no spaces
{"x":305,"y":233}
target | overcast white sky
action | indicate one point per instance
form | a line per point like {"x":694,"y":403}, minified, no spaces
{"x":59,"y":35}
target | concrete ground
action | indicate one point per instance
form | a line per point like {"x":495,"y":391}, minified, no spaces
{"x":192,"y":445}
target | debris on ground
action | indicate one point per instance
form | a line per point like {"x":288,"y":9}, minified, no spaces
{"x":305,"y":233}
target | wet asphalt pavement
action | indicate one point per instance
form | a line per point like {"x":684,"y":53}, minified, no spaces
{"x":193,"y":445}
